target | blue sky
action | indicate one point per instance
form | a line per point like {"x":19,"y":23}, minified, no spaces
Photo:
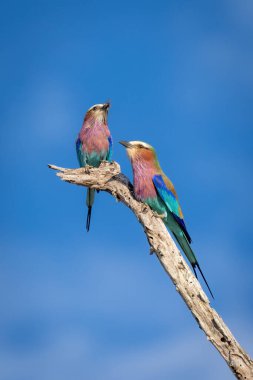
{"x":179,"y":75}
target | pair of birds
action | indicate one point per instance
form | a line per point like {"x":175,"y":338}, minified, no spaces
{"x":151,"y":186}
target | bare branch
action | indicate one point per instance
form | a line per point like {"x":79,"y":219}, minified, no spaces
{"x":109,"y":178}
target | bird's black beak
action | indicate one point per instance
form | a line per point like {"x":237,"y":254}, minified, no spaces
{"x":106,"y":106}
{"x":125,"y":144}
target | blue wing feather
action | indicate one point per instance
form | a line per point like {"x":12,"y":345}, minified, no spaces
{"x":170,"y":201}
{"x":109,"y":154}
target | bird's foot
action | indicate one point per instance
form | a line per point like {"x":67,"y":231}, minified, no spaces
{"x":87,"y":169}
{"x":161,"y":216}
{"x":144,"y":209}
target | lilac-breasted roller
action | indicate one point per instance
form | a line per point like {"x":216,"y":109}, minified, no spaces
{"x":152,"y":187}
{"x":94,"y":145}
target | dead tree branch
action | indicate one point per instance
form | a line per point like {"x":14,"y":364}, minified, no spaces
{"x":109,"y":178}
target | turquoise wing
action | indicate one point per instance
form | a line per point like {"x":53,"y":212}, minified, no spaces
{"x":171,"y":202}
{"x":81,"y":155}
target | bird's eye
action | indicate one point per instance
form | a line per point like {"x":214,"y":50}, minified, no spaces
{"x":94,"y":108}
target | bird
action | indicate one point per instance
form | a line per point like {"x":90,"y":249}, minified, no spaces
{"x":152,"y":187}
{"x":94,"y":145}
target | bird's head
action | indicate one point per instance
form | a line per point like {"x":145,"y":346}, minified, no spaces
{"x":139,"y":150}
{"x":98,"y":112}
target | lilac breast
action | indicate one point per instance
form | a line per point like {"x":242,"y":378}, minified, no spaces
{"x":143,"y":183}
{"x":95,"y":138}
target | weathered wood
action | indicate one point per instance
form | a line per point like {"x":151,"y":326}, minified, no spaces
{"x":108,"y":177}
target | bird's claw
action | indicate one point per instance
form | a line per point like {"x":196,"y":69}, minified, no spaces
{"x":87,"y":169}
{"x":161,"y":216}
{"x":144,"y":209}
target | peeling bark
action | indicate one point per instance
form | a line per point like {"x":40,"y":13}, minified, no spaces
{"x":108,"y":177}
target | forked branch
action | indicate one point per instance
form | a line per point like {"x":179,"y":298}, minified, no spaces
{"x":108,"y":177}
